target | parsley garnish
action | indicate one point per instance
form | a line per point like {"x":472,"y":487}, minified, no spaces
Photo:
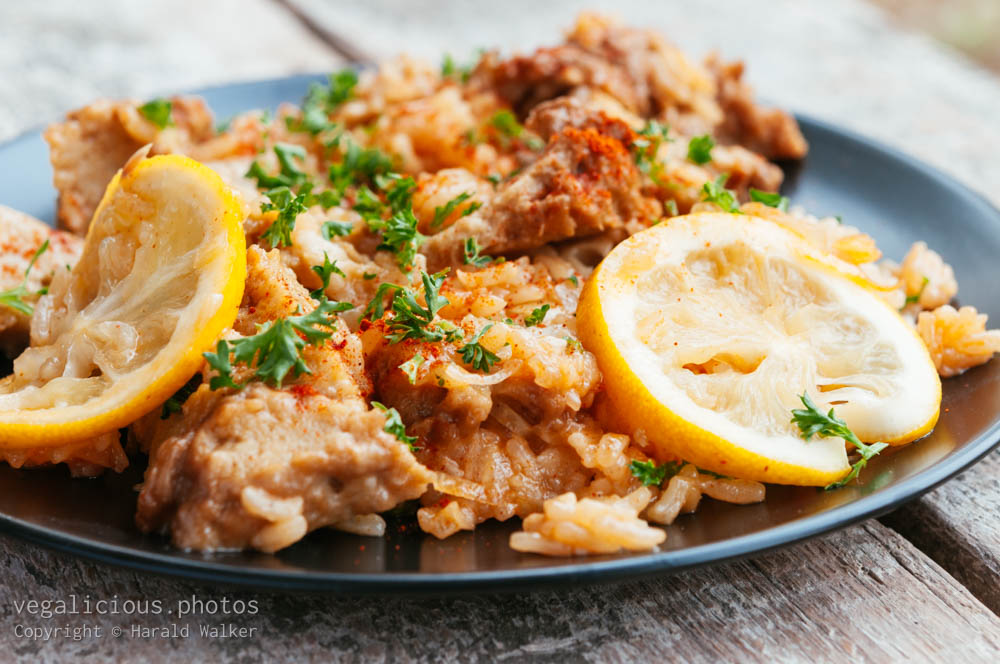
{"x":913,"y":299}
{"x":509,"y":128}
{"x":771,"y":199}
{"x":289,"y":205}
{"x":505,"y":122}
{"x":410,"y":367}
{"x":411,"y":320}
{"x":536,"y":316}
{"x":290,"y":175}
{"x":646,"y":147}
{"x":158,"y":111}
{"x":321,"y":100}
{"x":175,"y":403}
{"x":358,"y":164}
{"x":13,"y":298}
{"x":471,"y":254}
{"x":370,"y":207}
{"x":276,"y":348}
{"x":650,"y":474}
{"x":448,"y":67}
{"x":442,"y":212}
{"x":671,"y":208}
{"x":573,"y":345}
{"x":398,"y":190}
{"x":700,"y":149}
{"x":329,"y":229}
{"x":451,"y":69}
{"x":811,"y":422}
{"x":400,"y":236}
{"x":394,"y":426}
{"x":341,"y":87}
{"x":716,"y":192}
{"x":573,"y":280}
{"x":476,"y":356}
{"x":325,"y":271}
{"x":368,"y":276}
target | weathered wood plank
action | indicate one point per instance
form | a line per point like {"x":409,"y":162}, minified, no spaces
{"x":58,"y":55}
{"x":957,"y":526}
{"x":864,"y":594}
{"x":841,"y":61}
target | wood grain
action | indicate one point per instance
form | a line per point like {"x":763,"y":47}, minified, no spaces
{"x":861,"y":595}
{"x":61,"y":54}
{"x":957,"y":526}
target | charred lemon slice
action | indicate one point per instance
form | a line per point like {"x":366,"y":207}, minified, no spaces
{"x":160,"y":277}
{"x":707,"y":328}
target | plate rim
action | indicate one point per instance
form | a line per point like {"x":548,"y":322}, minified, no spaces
{"x":512,"y":580}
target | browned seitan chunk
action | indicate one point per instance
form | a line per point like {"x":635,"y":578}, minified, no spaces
{"x":768,"y":131}
{"x":261,"y":467}
{"x":93,"y":142}
{"x":584,"y":183}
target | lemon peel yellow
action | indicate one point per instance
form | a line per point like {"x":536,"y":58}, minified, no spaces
{"x":708,"y":327}
{"x":160,"y":277}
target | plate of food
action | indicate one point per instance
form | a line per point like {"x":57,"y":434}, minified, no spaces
{"x":574,"y":315}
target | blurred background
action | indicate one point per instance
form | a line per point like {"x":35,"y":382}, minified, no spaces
{"x":923,"y":75}
{"x":971,"y":26}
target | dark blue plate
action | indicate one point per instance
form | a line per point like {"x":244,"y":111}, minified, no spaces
{"x":891,"y":196}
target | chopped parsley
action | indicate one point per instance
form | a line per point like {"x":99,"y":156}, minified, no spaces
{"x":398,"y":190}
{"x":646,"y":146}
{"x":472,"y":256}
{"x":536,"y":316}
{"x":812,"y":422}
{"x":370,"y":207}
{"x":176,"y":402}
{"x":650,"y":474}
{"x":368,"y":276}
{"x":329,"y":229}
{"x":410,"y":319}
{"x":451,"y":69}
{"x":913,"y":299}
{"x":573,"y":345}
{"x":410,"y":367}
{"x":321,"y":100}
{"x":394,"y":426}
{"x":276,"y":348}
{"x":400,"y":236}
{"x":509,"y":129}
{"x":769,"y":198}
{"x":573,"y":280}
{"x":325,"y":271}
{"x":13,"y":298}
{"x":505,"y":122}
{"x":671,"y":205}
{"x":716,"y":192}
{"x":290,"y":174}
{"x":158,"y":111}
{"x":700,"y":149}
{"x":442,"y":212}
{"x":358,"y":165}
{"x":476,"y":356}
{"x":289,"y":206}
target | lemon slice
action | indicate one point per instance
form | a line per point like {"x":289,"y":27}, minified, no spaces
{"x":161,"y":275}
{"x":709,"y":326}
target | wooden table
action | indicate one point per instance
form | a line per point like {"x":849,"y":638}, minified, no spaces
{"x":920,"y":584}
